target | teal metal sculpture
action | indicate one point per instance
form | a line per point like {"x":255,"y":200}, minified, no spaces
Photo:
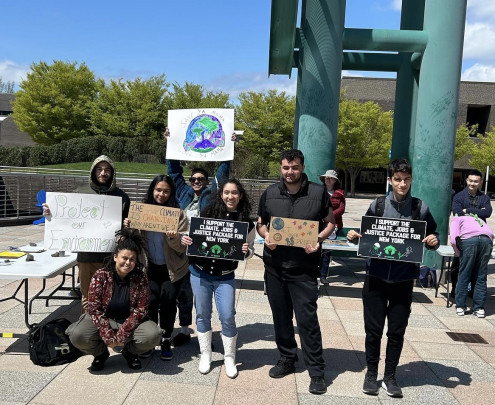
{"x":426,"y":54}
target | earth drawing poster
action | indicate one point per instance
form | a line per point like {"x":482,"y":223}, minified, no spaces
{"x":201,"y":134}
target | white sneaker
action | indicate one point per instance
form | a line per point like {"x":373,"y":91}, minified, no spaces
{"x":480,"y":313}
{"x":459,"y":311}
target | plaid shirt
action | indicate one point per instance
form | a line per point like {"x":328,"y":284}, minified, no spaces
{"x":100,"y":294}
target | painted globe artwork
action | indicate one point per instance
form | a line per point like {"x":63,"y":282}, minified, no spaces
{"x":204,"y":134}
{"x":278,"y":223}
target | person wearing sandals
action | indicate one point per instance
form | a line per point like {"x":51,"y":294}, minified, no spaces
{"x":117,"y":310}
{"x":167,"y":265}
{"x":215,"y":277}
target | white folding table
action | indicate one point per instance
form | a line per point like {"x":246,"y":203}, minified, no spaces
{"x":43,"y":266}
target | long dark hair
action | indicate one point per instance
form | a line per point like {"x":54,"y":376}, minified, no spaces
{"x":127,"y":239}
{"x":217,"y":208}
{"x":172,"y":201}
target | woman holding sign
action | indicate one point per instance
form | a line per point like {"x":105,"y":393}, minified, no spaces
{"x":167,"y":263}
{"x":215,"y":277}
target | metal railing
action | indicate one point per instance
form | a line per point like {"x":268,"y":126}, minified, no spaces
{"x":19,"y":187}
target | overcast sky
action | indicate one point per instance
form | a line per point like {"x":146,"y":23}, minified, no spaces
{"x":221,"y":44}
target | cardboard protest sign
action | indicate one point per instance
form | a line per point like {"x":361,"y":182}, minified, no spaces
{"x":156,"y":218}
{"x":201,"y":134}
{"x":82,"y":222}
{"x":293,"y":232}
{"x":217,"y":238}
{"x":392,"y":239}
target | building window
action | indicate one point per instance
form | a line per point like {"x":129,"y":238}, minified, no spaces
{"x":478,"y":115}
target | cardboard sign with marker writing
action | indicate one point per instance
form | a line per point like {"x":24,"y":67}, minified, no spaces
{"x":156,"y":218}
{"x":293,"y":232}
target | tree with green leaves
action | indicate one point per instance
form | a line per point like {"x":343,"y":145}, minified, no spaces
{"x":6,"y":87}
{"x":267,"y":119}
{"x":465,"y":140}
{"x":364,"y":137}
{"x":483,"y":154}
{"x":192,"y":95}
{"x":131,"y":108}
{"x":54,"y":101}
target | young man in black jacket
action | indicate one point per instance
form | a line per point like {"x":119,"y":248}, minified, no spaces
{"x":291,"y":272}
{"x":388,"y":286}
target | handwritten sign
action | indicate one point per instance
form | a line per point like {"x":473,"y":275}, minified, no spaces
{"x":217,"y":238}
{"x":82,"y":222}
{"x":201,"y":134}
{"x":293,"y":232}
{"x":392,"y":239}
{"x":156,"y":218}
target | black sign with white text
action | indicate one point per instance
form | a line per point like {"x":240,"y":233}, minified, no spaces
{"x":392,"y":239}
{"x":217,"y":238}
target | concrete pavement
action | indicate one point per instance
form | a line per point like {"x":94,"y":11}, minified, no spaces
{"x":434,"y":369}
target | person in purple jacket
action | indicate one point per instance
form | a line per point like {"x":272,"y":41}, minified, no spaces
{"x":472,"y":240}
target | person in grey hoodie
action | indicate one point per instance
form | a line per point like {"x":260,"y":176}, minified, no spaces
{"x":102,"y":180}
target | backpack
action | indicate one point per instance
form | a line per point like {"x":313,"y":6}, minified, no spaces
{"x":427,"y":277}
{"x":416,"y":207}
{"x":49,"y":345}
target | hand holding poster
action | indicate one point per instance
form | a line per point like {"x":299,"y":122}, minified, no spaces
{"x":156,"y":218}
{"x":82,"y":222}
{"x":201,"y":134}
{"x":392,"y":238}
{"x":217,"y":238}
{"x":293,"y":232}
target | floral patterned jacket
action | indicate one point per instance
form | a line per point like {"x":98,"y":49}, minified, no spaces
{"x":100,"y":294}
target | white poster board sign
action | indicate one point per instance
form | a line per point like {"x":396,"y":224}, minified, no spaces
{"x":82,"y":222}
{"x":202,"y":134}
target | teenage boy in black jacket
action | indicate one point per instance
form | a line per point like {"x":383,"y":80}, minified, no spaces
{"x":388,"y":286}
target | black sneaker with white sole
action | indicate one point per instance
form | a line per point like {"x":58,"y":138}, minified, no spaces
{"x":389,"y":384}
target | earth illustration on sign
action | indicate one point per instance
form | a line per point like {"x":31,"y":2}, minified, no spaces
{"x":204,"y":134}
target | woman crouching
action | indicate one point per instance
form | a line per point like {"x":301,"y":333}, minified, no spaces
{"x":216,"y":277}
{"x":117,"y":308}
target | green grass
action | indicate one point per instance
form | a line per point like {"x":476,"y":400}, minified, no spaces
{"x":122,"y":167}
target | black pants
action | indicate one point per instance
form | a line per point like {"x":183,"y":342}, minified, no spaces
{"x":163,"y":297}
{"x":385,"y":300}
{"x":185,"y":301}
{"x":288,"y":296}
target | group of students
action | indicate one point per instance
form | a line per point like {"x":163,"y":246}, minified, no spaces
{"x":130,"y":303}
{"x":133,"y":310}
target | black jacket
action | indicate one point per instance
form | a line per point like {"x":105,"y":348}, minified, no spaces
{"x":311,"y":202}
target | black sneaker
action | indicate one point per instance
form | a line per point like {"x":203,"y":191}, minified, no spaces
{"x":370,"y":386}
{"x":132,"y":359}
{"x":181,"y":339}
{"x":166,"y":350}
{"x":283,"y":367}
{"x":317,"y":386}
{"x":99,"y":361}
{"x":389,"y":384}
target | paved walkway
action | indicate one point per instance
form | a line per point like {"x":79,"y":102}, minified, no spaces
{"x":434,"y":369}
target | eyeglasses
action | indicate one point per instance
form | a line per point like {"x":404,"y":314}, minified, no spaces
{"x":197,"y":179}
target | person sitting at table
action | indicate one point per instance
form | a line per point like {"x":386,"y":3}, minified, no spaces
{"x":472,"y":240}
{"x":215,"y":277}
{"x":168,"y":266}
{"x":117,"y":308}
{"x":337,"y":198}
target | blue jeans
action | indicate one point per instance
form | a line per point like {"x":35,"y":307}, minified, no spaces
{"x":474,"y":257}
{"x":224,"y":291}
{"x":325,"y":263}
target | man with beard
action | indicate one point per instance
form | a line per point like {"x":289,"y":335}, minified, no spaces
{"x":291,"y":273}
